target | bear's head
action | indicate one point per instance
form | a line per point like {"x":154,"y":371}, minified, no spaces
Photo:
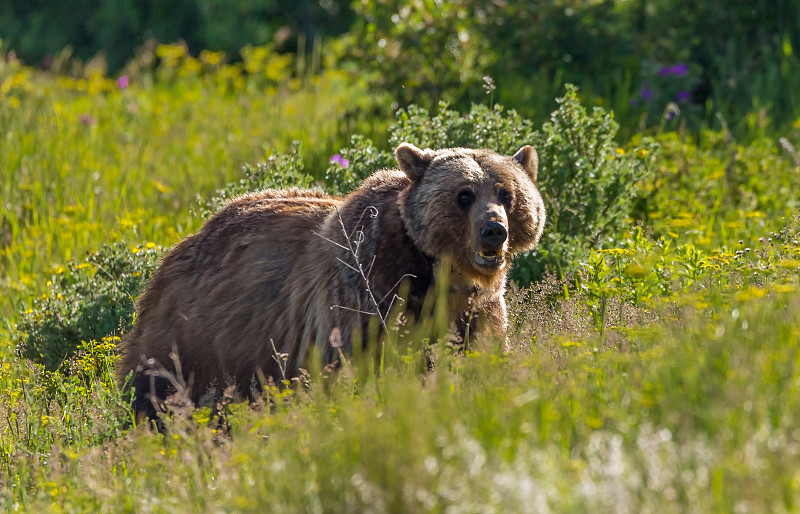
{"x":475,"y":208}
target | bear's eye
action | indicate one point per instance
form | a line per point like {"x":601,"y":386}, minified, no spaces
{"x":465,"y":198}
{"x":505,"y":197}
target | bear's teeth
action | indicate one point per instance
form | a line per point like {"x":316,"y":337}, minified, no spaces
{"x":487,"y":255}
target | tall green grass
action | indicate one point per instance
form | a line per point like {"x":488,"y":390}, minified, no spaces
{"x":693,"y":413}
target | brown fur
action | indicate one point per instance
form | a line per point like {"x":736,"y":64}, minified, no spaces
{"x":276,"y":267}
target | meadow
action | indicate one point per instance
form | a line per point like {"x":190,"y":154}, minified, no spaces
{"x":654,"y":357}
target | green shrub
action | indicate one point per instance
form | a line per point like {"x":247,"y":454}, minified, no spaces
{"x":280,"y":171}
{"x":355,"y":163}
{"x":422,"y":52}
{"x":86,"y":301}
{"x":483,"y":127}
{"x":589,"y":184}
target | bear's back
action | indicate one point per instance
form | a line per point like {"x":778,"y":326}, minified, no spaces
{"x":235,"y":267}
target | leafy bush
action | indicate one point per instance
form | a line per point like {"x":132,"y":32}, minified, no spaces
{"x":589,"y":184}
{"x":425,"y":51}
{"x":483,"y":127}
{"x":86,"y":301}
{"x":280,"y":171}
{"x":420,"y":52}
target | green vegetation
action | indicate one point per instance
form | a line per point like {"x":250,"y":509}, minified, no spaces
{"x":634,"y":58}
{"x":654,"y":356}
{"x":113,"y":29}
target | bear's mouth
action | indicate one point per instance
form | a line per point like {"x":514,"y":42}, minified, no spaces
{"x":489,"y":259}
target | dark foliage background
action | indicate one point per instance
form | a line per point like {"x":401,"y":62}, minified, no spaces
{"x":733,"y":56}
{"x":39,"y":29}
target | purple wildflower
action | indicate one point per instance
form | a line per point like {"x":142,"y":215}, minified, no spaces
{"x":647,"y":93}
{"x":123,"y":82}
{"x":87,"y":119}
{"x":683,"y":96}
{"x":679,"y":70}
{"x":340,"y":160}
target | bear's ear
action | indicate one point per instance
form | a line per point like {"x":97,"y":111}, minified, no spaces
{"x":413,"y":161}
{"x":529,"y":159}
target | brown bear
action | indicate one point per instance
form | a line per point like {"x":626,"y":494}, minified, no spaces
{"x":279,"y":271}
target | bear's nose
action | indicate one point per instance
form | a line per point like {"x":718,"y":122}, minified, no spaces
{"x":494,"y":233}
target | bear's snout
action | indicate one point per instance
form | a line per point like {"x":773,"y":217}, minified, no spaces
{"x":494,"y":234}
